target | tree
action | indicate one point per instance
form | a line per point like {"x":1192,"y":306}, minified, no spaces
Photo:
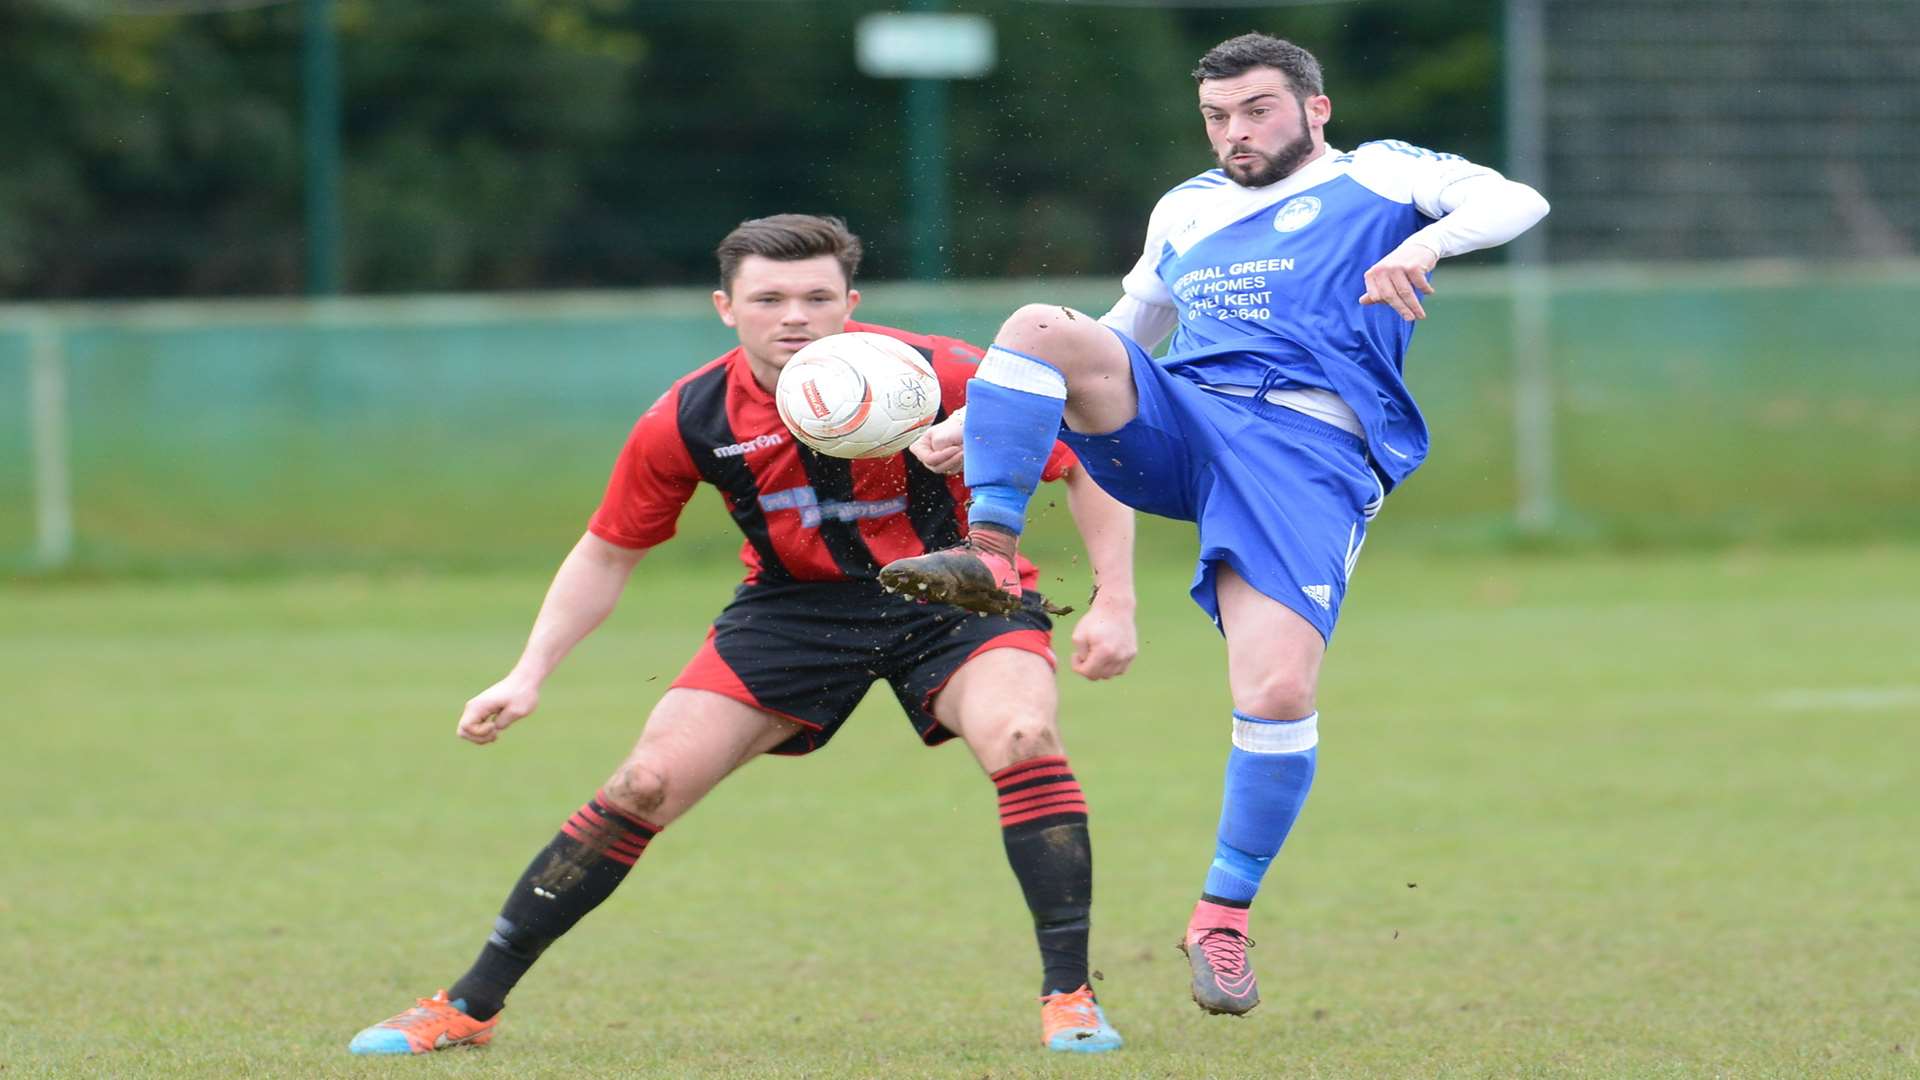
{"x":543,"y":143}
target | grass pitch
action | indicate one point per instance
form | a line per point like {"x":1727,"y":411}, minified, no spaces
{"x":1652,"y":817}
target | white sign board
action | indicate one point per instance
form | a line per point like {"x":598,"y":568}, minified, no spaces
{"x":926,"y":45}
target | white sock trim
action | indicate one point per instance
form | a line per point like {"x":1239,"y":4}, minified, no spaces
{"x":1018,"y":371}
{"x":1276,"y":736}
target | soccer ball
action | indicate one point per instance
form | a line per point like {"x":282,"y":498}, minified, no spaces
{"x":857,"y":395}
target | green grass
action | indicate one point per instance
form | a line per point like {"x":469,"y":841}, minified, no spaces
{"x":1590,"y":816}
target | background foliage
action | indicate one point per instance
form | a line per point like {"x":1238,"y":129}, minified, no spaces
{"x":508,"y":144}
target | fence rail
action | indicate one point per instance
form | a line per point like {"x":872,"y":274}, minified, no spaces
{"x":1752,"y":401}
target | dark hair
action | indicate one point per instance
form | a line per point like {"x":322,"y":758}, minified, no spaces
{"x":788,"y":238}
{"x":1236,"y":56}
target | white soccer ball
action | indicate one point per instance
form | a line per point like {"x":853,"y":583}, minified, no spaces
{"x":857,"y":395}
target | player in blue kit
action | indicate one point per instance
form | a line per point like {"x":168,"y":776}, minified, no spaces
{"x":1290,"y":278}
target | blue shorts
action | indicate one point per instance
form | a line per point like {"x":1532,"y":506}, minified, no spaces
{"x":1282,"y":498}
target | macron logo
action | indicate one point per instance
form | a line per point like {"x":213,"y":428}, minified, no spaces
{"x":1319,"y":594}
{"x":741,"y":449}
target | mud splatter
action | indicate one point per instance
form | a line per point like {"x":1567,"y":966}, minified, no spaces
{"x":564,"y":871}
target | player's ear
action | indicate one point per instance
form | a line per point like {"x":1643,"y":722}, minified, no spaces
{"x":1319,"y":110}
{"x":723,"y":304}
{"x":853,"y":300}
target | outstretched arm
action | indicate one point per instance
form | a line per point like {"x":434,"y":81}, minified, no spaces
{"x":1104,"y":640}
{"x":583,"y":593}
{"x":1476,"y":211}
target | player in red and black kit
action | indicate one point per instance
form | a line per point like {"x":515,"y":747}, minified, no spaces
{"x":806,"y":635}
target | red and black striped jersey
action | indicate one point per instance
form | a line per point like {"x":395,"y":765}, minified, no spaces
{"x":806,"y":516}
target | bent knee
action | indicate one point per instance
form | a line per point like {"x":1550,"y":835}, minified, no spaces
{"x":1026,"y":738}
{"x":1032,"y":320}
{"x":1279,"y":696}
{"x":1065,"y":338}
{"x":637,"y":788}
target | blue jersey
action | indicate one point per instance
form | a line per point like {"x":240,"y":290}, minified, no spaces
{"x":1265,"y":282}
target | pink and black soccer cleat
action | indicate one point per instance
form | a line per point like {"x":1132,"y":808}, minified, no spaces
{"x":1223,"y":980}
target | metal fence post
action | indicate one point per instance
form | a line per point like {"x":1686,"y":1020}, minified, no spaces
{"x":47,"y":420}
{"x":1529,"y":331}
{"x":320,"y":80}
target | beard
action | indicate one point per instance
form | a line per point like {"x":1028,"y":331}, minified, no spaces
{"x":1269,"y":168}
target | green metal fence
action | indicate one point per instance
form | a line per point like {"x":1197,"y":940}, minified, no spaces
{"x":1761,"y":403}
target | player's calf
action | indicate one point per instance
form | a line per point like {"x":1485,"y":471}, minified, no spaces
{"x":1269,"y":772}
{"x":1043,"y":822}
{"x":1014,"y":403}
{"x":1043,"y":825}
{"x":577,"y":870}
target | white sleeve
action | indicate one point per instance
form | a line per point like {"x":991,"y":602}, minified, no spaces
{"x":1148,"y":324}
{"x":1479,"y":211}
{"x":1145,"y":311}
{"x":1474,"y":206}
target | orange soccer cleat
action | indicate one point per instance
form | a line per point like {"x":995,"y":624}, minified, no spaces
{"x":432,"y":1024}
{"x":1073,"y":1021}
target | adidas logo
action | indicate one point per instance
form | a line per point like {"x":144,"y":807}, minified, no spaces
{"x":1319,"y":594}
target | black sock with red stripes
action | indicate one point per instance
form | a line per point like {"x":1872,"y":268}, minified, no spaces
{"x":576,"y":871}
{"x":1043,"y":820}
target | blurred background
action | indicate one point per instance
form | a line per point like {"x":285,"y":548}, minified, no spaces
{"x":322,"y":321}
{"x":312,"y":283}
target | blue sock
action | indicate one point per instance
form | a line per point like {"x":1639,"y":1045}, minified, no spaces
{"x":1269,"y":772}
{"x":1014,"y":402}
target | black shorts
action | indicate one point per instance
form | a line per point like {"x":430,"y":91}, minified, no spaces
{"x":809,"y":651}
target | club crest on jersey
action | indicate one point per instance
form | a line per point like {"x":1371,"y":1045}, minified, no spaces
{"x":1297,"y":214}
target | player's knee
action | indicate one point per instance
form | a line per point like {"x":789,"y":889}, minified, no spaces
{"x":1028,"y":323}
{"x":1277,"y":695}
{"x":1050,"y":332}
{"x":1028,"y":736}
{"x":637,"y":788}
